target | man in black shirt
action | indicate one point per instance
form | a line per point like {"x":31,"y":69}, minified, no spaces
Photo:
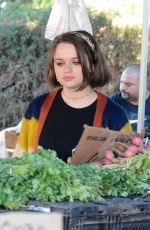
{"x":128,"y":97}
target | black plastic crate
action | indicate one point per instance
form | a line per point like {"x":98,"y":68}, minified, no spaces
{"x":112,"y":214}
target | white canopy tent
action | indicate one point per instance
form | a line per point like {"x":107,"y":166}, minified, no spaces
{"x":143,"y":69}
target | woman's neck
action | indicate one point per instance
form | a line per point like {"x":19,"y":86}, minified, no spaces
{"x":80,"y":98}
{"x":76,"y":94}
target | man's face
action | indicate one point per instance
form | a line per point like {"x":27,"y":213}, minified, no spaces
{"x":129,"y":87}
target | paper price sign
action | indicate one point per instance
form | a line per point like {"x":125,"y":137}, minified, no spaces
{"x":30,"y":221}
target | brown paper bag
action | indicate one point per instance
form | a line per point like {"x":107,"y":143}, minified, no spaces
{"x":92,"y":145}
{"x":95,"y":141}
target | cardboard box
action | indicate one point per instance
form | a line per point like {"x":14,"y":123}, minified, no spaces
{"x":11,"y":138}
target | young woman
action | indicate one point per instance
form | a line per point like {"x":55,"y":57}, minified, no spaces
{"x":56,"y":120}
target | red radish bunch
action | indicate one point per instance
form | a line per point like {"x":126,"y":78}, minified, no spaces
{"x":133,"y":149}
{"x":108,"y":157}
{"x":137,"y":141}
{"x":107,"y":160}
{"x":128,"y":153}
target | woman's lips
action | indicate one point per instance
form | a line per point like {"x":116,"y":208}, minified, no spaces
{"x":68,"y":78}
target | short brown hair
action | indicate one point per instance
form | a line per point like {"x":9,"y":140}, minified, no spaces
{"x":95,"y":72}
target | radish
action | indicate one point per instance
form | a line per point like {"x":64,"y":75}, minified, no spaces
{"x":108,"y":155}
{"x":107,"y":161}
{"x":137,"y":141}
{"x":128,"y":153}
{"x":134,"y":149}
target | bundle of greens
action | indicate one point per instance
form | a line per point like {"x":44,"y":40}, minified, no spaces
{"x":44,"y":177}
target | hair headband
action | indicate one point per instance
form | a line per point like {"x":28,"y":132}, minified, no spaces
{"x":85,"y":38}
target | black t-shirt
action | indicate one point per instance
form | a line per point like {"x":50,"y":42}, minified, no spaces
{"x":132,"y":112}
{"x":64,"y":125}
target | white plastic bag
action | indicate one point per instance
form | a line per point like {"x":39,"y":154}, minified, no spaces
{"x":67,"y":15}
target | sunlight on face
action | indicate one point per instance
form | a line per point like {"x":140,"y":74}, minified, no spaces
{"x":67,"y":66}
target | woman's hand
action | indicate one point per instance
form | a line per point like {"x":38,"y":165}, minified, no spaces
{"x":69,"y":160}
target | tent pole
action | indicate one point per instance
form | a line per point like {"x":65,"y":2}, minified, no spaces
{"x":143,"y":64}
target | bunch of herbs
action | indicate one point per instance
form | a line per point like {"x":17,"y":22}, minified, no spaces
{"x":44,"y":177}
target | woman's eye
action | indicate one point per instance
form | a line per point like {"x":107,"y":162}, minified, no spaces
{"x":59,"y":63}
{"x":76,"y":63}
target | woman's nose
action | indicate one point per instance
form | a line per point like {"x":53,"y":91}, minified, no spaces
{"x":68,"y":68}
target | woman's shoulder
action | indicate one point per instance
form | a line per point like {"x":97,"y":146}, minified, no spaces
{"x":39,"y":99}
{"x":35,"y":105}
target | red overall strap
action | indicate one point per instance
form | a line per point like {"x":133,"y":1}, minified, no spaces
{"x":101,"y":102}
{"x":43,"y":115}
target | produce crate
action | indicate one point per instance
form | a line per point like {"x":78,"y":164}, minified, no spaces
{"x":112,"y":214}
{"x":11,"y":139}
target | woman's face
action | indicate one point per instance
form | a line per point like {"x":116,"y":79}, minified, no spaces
{"x":67,"y":66}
